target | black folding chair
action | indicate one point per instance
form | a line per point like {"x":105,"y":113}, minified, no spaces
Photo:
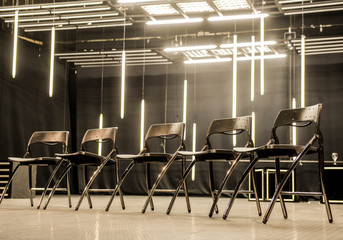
{"x":300,"y":117}
{"x":55,"y":141}
{"x":164,"y":132}
{"x":226,"y":126}
{"x":85,"y":158}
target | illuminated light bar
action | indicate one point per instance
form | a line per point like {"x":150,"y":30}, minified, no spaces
{"x":15,"y":46}
{"x":101,"y":118}
{"x":43,"y":18}
{"x":234,"y":83}
{"x":78,"y":10}
{"x":324,"y":52}
{"x":136,"y":1}
{"x":160,"y":9}
{"x":317,"y":39}
{"x":313,"y":5}
{"x":142,"y":124}
{"x":189,"y":48}
{"x":314,"y":11}
{"x":237,"y":17}
{"x":71,"y":4}
{"x":26,"y":13}
{"x":185,"y":105}
{"x":91,"y":21}
{"x":147,"y":60}
{"x":231,"y":4}
{"x":252,"y":71}
{"x":82,"y":57}
{"x":248,"y":44}
{"x":78,"y":27}
{"x":274,"y":56}
{"x":325,"y":43}
{"x":90,"y":15}
{"x":92,"y":63}
{"x":175,"y":21}
{"x":122,"y":85}
{"x":253,"y":128}
{"x":194,"y":140}
{"x":76,"y":54}
{"x":262,"y":56}
{"x":92,"y":60}
{"x":208,"y":60}
{"x":323,"y":49}
{"x":135,"y":54}
{"x":43,"y":24}
{"x":127,"y":51}
{"x":52,"y":62}
{"x":293,"y":1}
{"x":303,"y":70}
{"x":195,"y":7}
{"x":128,"y":65}
{"x":294,"y":131}
{"x":321,"y":46}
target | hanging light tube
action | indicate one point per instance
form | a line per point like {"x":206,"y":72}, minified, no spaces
{"x":312,"y":5}
{"x":234,"y":85}
{"x":194,"y":147}
{"x":252,"y":73}
{"x":15,"y":45}
{"x":324,"y":52}
{"x":101,"y":118}
{"x":237,"y":17}
{"x":208,"y":60}
{"x":294,"y":130}
{"x":189,"y":48}
{"x":253,"y":124}
{"x":52,"y":61}
{"x":262,"y":56}
{"x":175,"y":21}
{"x":248,"y":44}
{"x":142,"y":124}
{"x":271,"y":56}
{"x":303,"y":70}
{"x":122,"y":85}
{"x":316,"y":10}
{"x":185,"y":104}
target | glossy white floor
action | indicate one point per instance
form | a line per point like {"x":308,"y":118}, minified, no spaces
{"x":306,"y":220}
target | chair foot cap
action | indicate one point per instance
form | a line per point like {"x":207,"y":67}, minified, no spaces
{"x":331,"y":221}
{"x":189,"y":211}
{"x":210,"y":215}
{"x":224,"y":217}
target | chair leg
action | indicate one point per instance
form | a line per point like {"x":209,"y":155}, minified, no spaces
{"x":277,"y":180}
{"x":9,"y":182}
{"x":322,"y":184}
{"x":117,"y":180}
{"x":152,"y":191}
{"x":148,"y":183}
{"x":116,"y":189}
{"x":279,"y":188}
{"x":65,"y":171}
{"x":49,"y":182}
{"x":258,"y":205}
{"x":84,"y":183}
{"x":68,"y":189}
{"x":211,"y":183}
{"x":183,"y":179}
{"x":239,"y":185}
{"x":30,"y":184}
{"x":223,"y":183}
{"x":91,"y":180}
{"x":188,"y":203}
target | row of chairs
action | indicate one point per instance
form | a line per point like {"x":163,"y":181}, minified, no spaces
{"x":300,"y":117}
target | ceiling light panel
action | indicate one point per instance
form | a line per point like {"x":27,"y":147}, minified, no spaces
{"x":227,"y":5}
{"x":195,"y":7}
{"x":160,"y":9}
{"x":197,"y":54}
{"x":222,"y":52}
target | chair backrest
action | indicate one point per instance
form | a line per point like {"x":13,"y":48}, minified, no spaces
{"x":49,"y":138}
{"x":165,"y":131}
{"x":230,"y":126}
{"x":100,"y":135}
{"x":298,"y":117}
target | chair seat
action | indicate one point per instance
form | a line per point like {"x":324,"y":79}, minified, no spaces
{"x":84,"y":158}
{"x":210,"y":154}
{"x":37,"y":160}
{"x":147,"y":157}
{"x":276,"y":150}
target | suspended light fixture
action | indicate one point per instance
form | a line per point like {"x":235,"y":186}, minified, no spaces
{"x":294,"y":130}
{"x":15,"y":45}
{"x":123,"y":68}
{"x":190,"y":48}
{"x":237,"y":17}
{"x":142,"y":124}
{"x":101,"y":118}
{"x":234,"y":81}
{"x":185,"y":104}
{"x":208,"y":60}
{"x":175,"y":21}
{"x":194,"y":147}
{"x":252,"y":74}
{"x":303,"y":70}
{"x":262,"y":56}
{"x":52,"y":61}
{"x":253,"y":127}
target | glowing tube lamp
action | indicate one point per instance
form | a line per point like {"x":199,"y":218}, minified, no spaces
{"x":252,"y":75}
{"x":52,"y":61}
{"x":194,"y":147}
{"x":303,"y":70}
{"x":234,"y":83}
{"x":185,"y":104}
{"x":100,"y":127}
{"x":122,"y":85}
{"x":142,"y":124}
{"x":262,"y":56}
{"x":15,"y":45}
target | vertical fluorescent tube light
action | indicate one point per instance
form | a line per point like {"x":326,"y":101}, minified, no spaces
{"x":185,"y":104}
{"x":52,"y":61}
{"x":142,"y":124}
{"x":100,"y":127}
{"x":253,"y":127}
{"x":122,"y":85}
{"x":294,"y":130}
{"x":15,"y":45}
{"x":262,"y":56}
{"x":194,"y":147}
{"x":303,"y":70}
{"x":234,"y":83}
{"x":252,"y":76}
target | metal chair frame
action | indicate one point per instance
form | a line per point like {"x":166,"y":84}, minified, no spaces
{"x":225,"y":126}
{"x":300,"y":117}
{"x":86,"y":158}
{"x":49,"y":138}
{"x":164,"y":132}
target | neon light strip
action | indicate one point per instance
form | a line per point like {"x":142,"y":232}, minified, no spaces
{"x":15,"y":45}
{"x":122,"y":86}
{"x":100,"y":127}
{"x":52,"y":62}
{"x":252,"y":71}
{"x":234,"y":83}
{"x":185,"y":104}
{"x":294,"y":130}
{"x":303,"y":70}
{"x":194,"y":147}
{"x":142,"y":124}
{"x":262,"y":56}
